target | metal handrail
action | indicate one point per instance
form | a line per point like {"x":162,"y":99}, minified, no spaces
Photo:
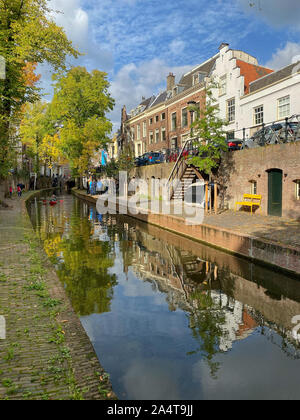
{"x":178,"y":170}
{"x":179,"y":157}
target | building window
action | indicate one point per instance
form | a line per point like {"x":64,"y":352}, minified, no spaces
{"x":151,"y":137}
{"x":157,"y":136}
{"x":156,"y":118}
{"x":184,"y":118}
{"x":231,"y":110}
{"x":253,"y":187}
{"x":230,"y":135}
{"x":144,"y":129}
{"x":138,"y":132}
{"x":163,"y":116}
{"x":163,"y":134}
{"x":284,"y":107}
{"x":151,"y":121}
{"x":132,"y":133}
{"x":139,"y":149}
{"x":259,"y":115}
{"x":223,"y":85}
{"x":174,"y":121}
{"x":297,"y":189}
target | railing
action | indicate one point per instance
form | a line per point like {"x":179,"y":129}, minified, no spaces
{"x":180,"y":166}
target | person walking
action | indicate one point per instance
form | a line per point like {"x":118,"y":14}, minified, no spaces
{"x":19,"y":191}
{"x":10,"y":191}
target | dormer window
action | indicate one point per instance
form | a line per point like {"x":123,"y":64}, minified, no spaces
{"x":175,"y":91}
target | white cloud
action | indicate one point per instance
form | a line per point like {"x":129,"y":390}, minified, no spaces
{"x":134,"y":81}
{"x":285,"y":56}
{"x":76,"y":22}
{"x":177,"y":46}
{"x":275,"y":12}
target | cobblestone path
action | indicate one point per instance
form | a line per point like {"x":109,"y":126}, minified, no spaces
{"x":46,"y":353}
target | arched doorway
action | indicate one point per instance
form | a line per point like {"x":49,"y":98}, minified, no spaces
{"x":275,"y":192}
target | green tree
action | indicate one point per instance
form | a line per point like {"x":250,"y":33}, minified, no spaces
{"x":27,"y":35}
{"x":208,"y":328}
{"x":210,"y":133}
{"x":126,"y":159}
{"x":80,"y":103}
{"x":33,"y":128}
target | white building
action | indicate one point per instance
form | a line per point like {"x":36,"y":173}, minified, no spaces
{"x":271,"y":99}
{"x":233,"y":72}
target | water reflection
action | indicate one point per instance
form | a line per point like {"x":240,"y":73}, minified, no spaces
{"x":168,"y":317}
{"x":79,"y":247}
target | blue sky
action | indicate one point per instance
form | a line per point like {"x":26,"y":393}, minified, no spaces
{"x":137,"y":42}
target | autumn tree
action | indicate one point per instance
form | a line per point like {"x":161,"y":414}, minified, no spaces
{"x":34,"y":127}
{"x":27,"y":35}
{"x":80,"y":103}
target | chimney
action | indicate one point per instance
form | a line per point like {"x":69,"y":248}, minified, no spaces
{"x":223,"y":45}
{"x":170,"y":81}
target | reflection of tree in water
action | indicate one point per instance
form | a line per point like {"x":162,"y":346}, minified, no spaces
{"x":206,"y":323}
{"x":83,"y":264}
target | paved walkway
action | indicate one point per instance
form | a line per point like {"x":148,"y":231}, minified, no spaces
{"x":46,"y":353}
{"x":276,"y":229}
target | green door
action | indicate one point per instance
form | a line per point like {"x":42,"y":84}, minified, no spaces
{"x":275,"y":193}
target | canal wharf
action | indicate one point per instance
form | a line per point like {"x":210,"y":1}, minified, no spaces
{"x":268,"y":240}
{"x":44,"y":350}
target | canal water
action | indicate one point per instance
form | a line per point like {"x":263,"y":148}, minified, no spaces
{"x":169,"y":318}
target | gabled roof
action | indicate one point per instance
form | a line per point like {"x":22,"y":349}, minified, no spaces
{"x":251,"y":72}
{"x":273,"y":77}
{"x":206,"y":68}
{"x":160,"y":98}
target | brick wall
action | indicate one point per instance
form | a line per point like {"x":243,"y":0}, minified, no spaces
{"x":241,"y":167}
{"x":198,"y":97}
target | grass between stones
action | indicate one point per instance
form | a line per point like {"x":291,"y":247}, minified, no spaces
{"x":35,"y":360}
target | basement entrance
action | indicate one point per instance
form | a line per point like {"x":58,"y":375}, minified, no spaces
{"x":275,"y":192}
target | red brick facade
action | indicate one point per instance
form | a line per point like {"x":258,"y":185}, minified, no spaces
{"x":177,"y":107}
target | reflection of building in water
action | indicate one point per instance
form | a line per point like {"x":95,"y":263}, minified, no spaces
{"x":238,"y":323}
{"x":180,"y":275}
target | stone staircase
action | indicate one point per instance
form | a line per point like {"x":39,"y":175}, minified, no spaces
{"x":188,"y":178}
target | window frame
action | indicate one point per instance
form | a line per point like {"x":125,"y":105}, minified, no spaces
{"x":297,"y":189}
{"x":151,"y":136}
{"x":144,"y":129}
{"x":156,"y":136}
{"x":173,"y":128}
{"x":187,"y":121}
{"x":231,"y":110}
{"x":138,"y":132}
{"x":287,"y":114}
{"x":257,"y":115}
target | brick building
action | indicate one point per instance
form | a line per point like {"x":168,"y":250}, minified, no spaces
{"x":163,"y":121}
